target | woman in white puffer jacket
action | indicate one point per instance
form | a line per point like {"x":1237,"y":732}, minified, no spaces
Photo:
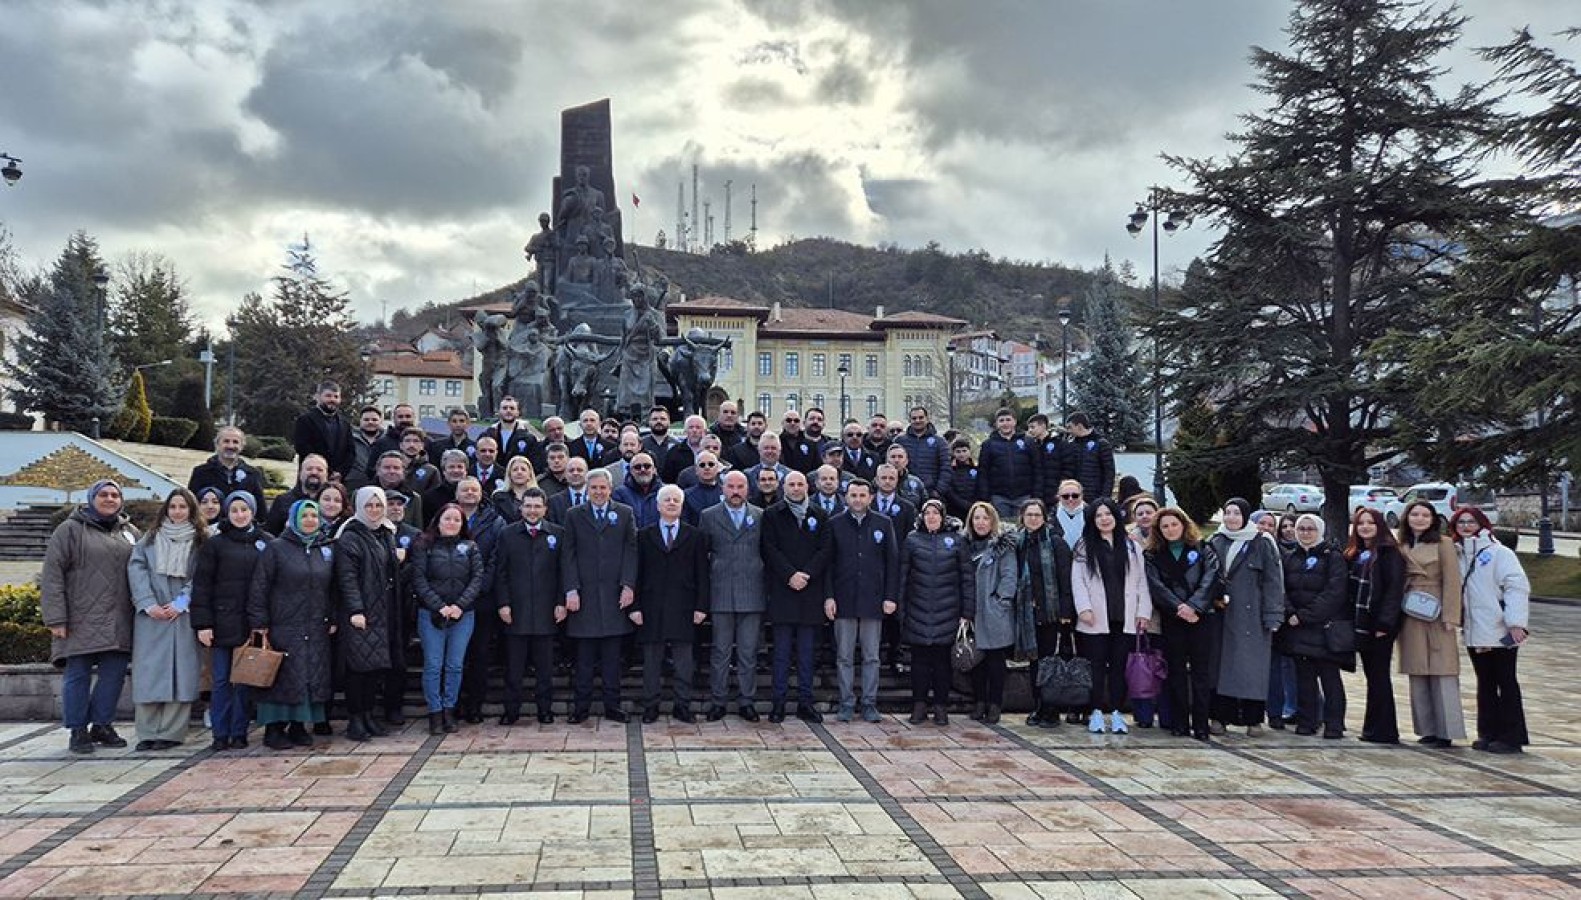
{"x":1495,"y":593}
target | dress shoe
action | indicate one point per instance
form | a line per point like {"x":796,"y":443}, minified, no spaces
{"x":991,"y":715}
{"x":356,"y":730}
{"x":395,"y":718}
{"x":940,"y":716}
{"x":1333,"y":734}
{"x":1277,"y":723}
{"x":919,"y":713}
{"x":448,"y":721}
{"x":275,"y":737}
{"x":978,"y":711}
{"x":683,"y":714}
{"x":808,"y":713}
{"x":577,"y":717}
{"x":1442,"y":743}
{"x":372,"y":726}
{"x":1369,"y":739}
{"x":80,"y":742}
{"x":1035,"y":719}
{"x":650,"y":715}
{"x":1305,"y":730}
{"x":510,"y":718}
{"x":436,"y":723}
{"x":1502,"y":748}
{"x":220,"y":745}
{"x":1479,"y":744}
{"x":777,"y":713}
{"x":145,"y":746}
{"x":473,"y":717}
{"x":616,"y":715}
{"x":715,"y":713}
{"x":322,"y":729}
{"x":748,"y":713}
{"x":105,"y":735}
{"x":546,"y":718}
{"x":1180,"y":732}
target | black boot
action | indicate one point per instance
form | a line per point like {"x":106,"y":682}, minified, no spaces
{"x":448,"y":721}
{"x":436,"y":723}
{"x":919,"y":713}
{"x":371,"y":725}
{"x":940,"y":716}
{"x":991,"y":715}
{"x":275,"y":737}
{"x":1036,"y":718}
{"x":979,"y":709}
{"x":105,"y":735}
{"x":81,"y":741}
{"x":356,"y":728}
{"x":297,"y":732}
{"x":322,"y":729}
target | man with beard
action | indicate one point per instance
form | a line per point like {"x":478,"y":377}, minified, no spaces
{"x":927,"y":453}
{"x":320,"y":430}
{"x":458,"y":439}
{"x":402,"y":417}
{"x":311,"y":477}
{"x":226,"y":471}
{"x":684,"y":455}
{"x":795,"y":565}
{"x":744,"y":455}
{"x":814,"y":429}
{"x":630,"y":445}
{"x":369,"y":432}
{"x":798,"y":450}
{"x":707,"y":491}
{"x":657,"y":443}
{"x":389,"y":473}
{"x":877,"y":440}
{"x":640,"y":490}
{"x":511,"y":434}
{"x":421,"y":475}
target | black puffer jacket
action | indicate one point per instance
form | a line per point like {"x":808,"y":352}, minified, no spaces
{"x":1192,"y":580}
{"x":938,"y":586}
{"x":1090,"y":460}
{"x":958,"y":486}
{"x":291,"y":597}
{"x":448,"y":572}
{"x":1007,"y":467}
{"x":222,"y":579}
{"x":1315,"y":595}
{"x":365,"y":571}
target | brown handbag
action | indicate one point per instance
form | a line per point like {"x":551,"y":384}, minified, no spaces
{"x":256,"y":665}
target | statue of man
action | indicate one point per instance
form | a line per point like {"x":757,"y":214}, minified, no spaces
{"x":543,"y":250}
{"x":611,"y":275}
{"x":490,"y":344}
{"x":576,"y":206}
{"x":580,"y":269}
{"x":639,"y":348}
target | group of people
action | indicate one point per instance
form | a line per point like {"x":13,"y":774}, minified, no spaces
{"x":518,"y":549}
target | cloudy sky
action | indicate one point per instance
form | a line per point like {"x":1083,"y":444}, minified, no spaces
{"x":415,"y":141}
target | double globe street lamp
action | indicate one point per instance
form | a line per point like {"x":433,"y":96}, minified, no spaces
{"x":1172,"y":223}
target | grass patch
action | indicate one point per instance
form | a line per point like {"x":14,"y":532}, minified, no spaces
{"x":1553,"y":576}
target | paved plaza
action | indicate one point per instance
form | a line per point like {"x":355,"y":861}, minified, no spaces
{"x":791,"y":811}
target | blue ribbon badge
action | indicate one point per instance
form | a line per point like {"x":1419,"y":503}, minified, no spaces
{"x":949,"y":543}
{"x":1021,"y":444}
{"x":812,"y":523}
{"x":1365,"y":556}
{"x":552,"y":542}
{"x":327,"y":552}
{"x":1485,"y":557}
{"x":1092,"y":445}
{"x":1311,"y":562}
{"x":1192,"y":556}
{"x":878,"y":536}
{"x":260,"y":544}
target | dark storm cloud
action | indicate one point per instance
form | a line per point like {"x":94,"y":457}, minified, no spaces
{"x":899,"y":198}
{"x":798,"y":193}
{"x":751,"y":94}
{"x":844,"y":82}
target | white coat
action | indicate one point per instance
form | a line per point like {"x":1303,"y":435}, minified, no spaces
{"x":1496,"y":591}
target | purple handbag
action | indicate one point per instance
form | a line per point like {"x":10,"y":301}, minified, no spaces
{"x":1145,"y":670}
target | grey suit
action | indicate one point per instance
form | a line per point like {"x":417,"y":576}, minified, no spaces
{"x":737,"y":598}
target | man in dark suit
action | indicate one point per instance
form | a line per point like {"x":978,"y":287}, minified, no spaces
{"x":321,"y":430}
{"x":402,"y":417}
{"x":796,"y":567}
{"x":512,"y":435}
{"x":671,"y":601}
{"x":459,"y":438}
{"x":829,"y":495}
{"x":530,"y":603}
{"x":734,"y":529}
{"x":864,"y":584}
{"x":575,"y":493}
{"x":590,"y":445}
{"x":486,"y":467}
{"x":854,"y":456}
{"x":598,"y":570}
{"x":797,"y":450}
{"x":658,"y":443}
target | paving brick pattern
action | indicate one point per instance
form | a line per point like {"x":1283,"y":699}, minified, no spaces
{"x":784,"y":812}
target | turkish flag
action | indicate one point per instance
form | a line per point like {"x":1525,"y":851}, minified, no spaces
{"x":635,"y":200}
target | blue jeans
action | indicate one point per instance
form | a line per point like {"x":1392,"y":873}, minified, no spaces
{"x":228,"y":705}
{"x":1281,"y":686}
{"x":797,"y":641}
{"x":444,"y":648}
{"x":86,"y":700}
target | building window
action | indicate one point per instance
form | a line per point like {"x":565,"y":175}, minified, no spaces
{"x":452,"y":388}
{"x":765,"y":403}
{"x":927,"y":364}
{"x":907,"y":367}
{"x":846,"y":364}
{"x":792,"y":365}
{"x":427,"y":387}
{"x":872,"y":365}
{"x":727,"y":359}
{"x":817,"y":400}
{"x":426,"y":412}
{"x":819,"y":365}
{"x":872,"y":405}
{"x":792,"y":402}
{"x":765,"y":365}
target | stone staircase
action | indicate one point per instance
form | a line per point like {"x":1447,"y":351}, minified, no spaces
{"x":25,"y":532}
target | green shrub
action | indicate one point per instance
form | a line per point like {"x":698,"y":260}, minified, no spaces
{"x":23,"y":643}
{"x":1509,"y":537}
{"x":11,"y":421}
{"x":251,"y":446}
{"x":135,"y":417}
{"x":19,"y":604}
{"x":171,"y":432}
{"x":282,"y":452}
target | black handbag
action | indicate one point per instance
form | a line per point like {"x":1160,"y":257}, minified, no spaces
{"x":1064,"y":682}
{"x":1339,"y":637}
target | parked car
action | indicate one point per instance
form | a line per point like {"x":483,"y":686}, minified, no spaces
{"x":1293,"y":498}
{"x":1445,"y":497}
{"x":1371,"y":496}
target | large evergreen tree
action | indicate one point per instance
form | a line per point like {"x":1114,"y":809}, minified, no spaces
{"x":302,"y":335}
{"x":63,"y":368}
{"x":1110,"y":385}
{"x":150,"y":322}
{"x":1339,"y":207}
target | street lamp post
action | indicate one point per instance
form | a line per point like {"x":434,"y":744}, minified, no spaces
{"x":949,"y":351}
{"x":1171,"y":224}
{"x":207,"y":359}
{"x":12,"y":172}
{"x":101,"y":292}
{"x":1545,"y":523}
{"x":845,"y":401}
{"x":1064,"y":362}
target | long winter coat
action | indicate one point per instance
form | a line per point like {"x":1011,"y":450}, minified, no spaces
{"x":1008,"y":467}
{"x":527,"y":577}
{"x":213,"y":474}
{"x":1088,"y":591}
{"x":1254,"y":586}
{"x":165,"y":664}
{"x":736,"y":560}
{"x":599,"y":559}
{"x":938,"y":587}
{"x":291,"y":598}
{"x":83,"y":586}
{"x":672,"y":583}
{"x":222,"y":580}
{"x":994,"y":583}
{"x":644,"y":503}
{"x":448,"y":572}
{"x":1430,"y":648}
{"x":365,"y":573}
{"x":1315,"y":596}
{"x":864,"y":568}
{"x":1197,"y":587}
{"x":1496,"y":591}
{"x":791,"y":546}
{"x":485,"y":525}
{"x":1374,"y":590}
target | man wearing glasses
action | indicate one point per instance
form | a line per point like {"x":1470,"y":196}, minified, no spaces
{"x":641,"y":491}
{"x":854,"y":455}
{"x":798,"y":450}
{"x":706,"y":492}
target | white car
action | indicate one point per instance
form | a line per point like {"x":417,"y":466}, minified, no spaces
{"x":1293,"y":498}
{"x":1445,"y":497}
{"x":1371,"y":496}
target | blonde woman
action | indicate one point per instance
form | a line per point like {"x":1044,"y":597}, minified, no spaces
{"x":519,"y":477}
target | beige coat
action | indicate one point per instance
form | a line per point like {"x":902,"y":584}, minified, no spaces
{"x":1431,"y":648}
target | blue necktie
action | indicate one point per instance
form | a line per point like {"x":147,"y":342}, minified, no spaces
{"x":669,"y":536}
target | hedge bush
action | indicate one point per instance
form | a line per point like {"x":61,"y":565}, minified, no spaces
{"x":10,"y":421}
{"x":167,"y":431}
{"x":23,"y":637}
{"x":281,"y":452}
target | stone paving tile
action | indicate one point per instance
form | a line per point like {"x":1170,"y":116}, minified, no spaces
{"x":754,"y":840}
{"x":1193,"y":770}
{"x":894,"y":733}
{"x":844,"y":891}
{"x":21,"y":835}
{"x":504,"y":777}
{"x":1435,"y":887}
{"x":1388,"y":771}
{"x":993,"y":838}
{"x":749,"y":775}
{"x":1132,"y":889}
{"x":729,"y":733}
{"x":260,"y":781}
{"x":1544,"y":830}
{"x":989,"y":773}
{"x":36,"y":783}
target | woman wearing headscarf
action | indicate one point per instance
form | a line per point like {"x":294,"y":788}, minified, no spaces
{"x":1109,"y":588}
{"x":1253,"y":576}
{"x":165,"y":662}
{"x":1495,"y":596}
{"x":938,"y":595}
{"x":447,"y":577}
{"x":1375,"y":586}
{"x":1183,"y":581}
{"x":290,"y":603}
{"x":1319,"y":633}
{"x":366,"y":573}
{"x":220,"y":583}
{"x":211,"y":506}
{"x":1043,"y":596}
{"x":87,"y":606}
{"x":994,"y":555}
{"x":1429,"y":651}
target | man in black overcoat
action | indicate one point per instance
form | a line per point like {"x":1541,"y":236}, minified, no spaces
{"x":530,"y":603}
{"x":796,"y":567}
{"x":598,"y":570}
{"x":864,"y":585}
{"x":671,"y":601}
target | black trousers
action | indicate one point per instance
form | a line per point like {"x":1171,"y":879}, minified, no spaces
{"x":362,"y":690}
{"x":988,"y":679}
{"x":1106,"y":653}
{"x":519,"y":649}
{"x":683,"y":663}
{"x":1192,"y":652}
{"x":603,"y":655}
{"x":1379,"y":724}
{"x":1319,"y":694}
{"x":930,"y":674}
{"x":1500,"y":715}
{"x":483,"y":652}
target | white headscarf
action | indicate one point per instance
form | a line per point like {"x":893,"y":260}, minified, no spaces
{"x":364,"y":494}
{"x":1315,"y":522}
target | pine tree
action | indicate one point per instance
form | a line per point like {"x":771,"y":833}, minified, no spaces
{"x":134,"y":419}
{"x":63,"y":368}
{"x":1339,"y":207}
{"x":1109,"y":386}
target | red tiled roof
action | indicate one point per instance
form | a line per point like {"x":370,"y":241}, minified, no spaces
{"x":923,"y":319}
{"x":434,"y":365}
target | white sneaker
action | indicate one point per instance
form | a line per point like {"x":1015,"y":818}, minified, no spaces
{"x":1117,"y":723}
{"x":1254,"y":731}
{"x":1096,"y":723}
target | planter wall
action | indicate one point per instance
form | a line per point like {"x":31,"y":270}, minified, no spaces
{"x":31,"y":693}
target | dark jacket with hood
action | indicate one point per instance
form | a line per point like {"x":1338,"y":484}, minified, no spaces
{"x":223,"y":579}
{"x":291,"y":596}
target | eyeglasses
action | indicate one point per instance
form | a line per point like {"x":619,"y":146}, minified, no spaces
{"x":707,"y":465}
{"x":792,"y":419}
{"x":851,"y":434}
{"x":641,"y":467}
{"x":1070,"y":496}
{"x":1460,"y":523}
